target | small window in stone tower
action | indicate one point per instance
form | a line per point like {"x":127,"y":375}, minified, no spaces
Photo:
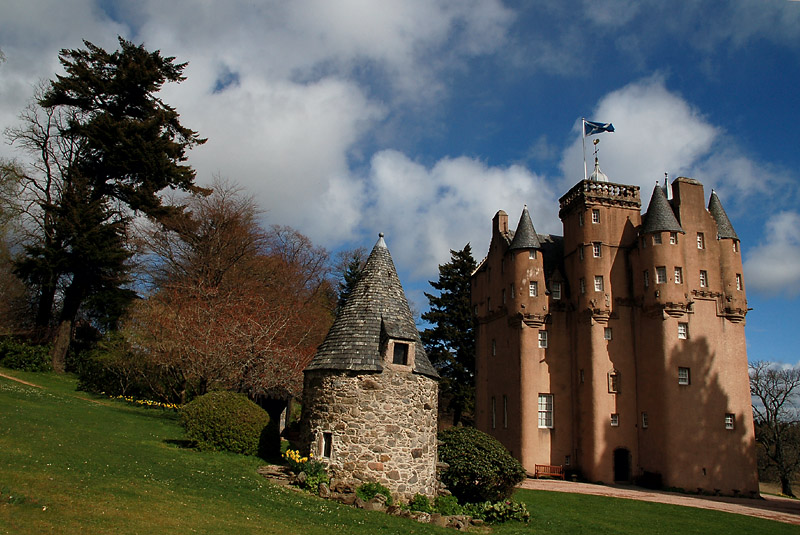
{"x":661,"y":275}
{"x":555,"y":290}
{"x":580,"y":218}
{"x":701,"y":241}
{"x":613,"y":382}
{"x":546,"y":411}
{"x":580,"y":252}
{"x":533,"y":289}
{"x":673,"y":238}
{"x":543,"y":339}
{"x":645,"y":421}
{"x":400,"y":354}
{"x":583,"y":285}
{"x":678,"y":275}
{"x":703,"y":278}
{"x":598,"y":283}
{"x":596,"y":249}
{"x":532,"y":254}
{"x":595,"y":215}
{"x":683,"y":331}
{"x":614,"y":420}
{"x":738,"y":281}
{"x":730,"y":419}
{"x":327,"y":445}
{"x":735,"y":246}
{"x":512,"y":290}
{"x":657,"y":238}
{"x":646,"y":278}
{"x":684,"y":376}
{"x":607,"y":333}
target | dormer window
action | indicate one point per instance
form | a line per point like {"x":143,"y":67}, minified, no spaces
{"x":400,"y":354}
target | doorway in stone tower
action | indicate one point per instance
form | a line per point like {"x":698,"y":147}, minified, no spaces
{"x":622,"y":465}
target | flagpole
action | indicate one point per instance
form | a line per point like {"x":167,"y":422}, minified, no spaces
{"x":583,"y":140}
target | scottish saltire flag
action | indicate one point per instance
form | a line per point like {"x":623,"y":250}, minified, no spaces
{"x":590,"y":128}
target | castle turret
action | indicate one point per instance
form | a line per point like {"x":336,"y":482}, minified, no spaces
{"x":370,"y":392}
{"x":733,"y":302}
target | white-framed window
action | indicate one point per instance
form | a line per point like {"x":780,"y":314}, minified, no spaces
{"x":614,"y":420}
{"x":645,"y":421}
{"x":598,"y":283}
{"x":678,"y":275}
{"x":730,"y":420}
{"x":739,"y":281}
{"x":735,"y":246}
{"x":494,"y":412}
{"x":580,"y":219}
{"x":555,"y":290}
{"x":546,"y":411}
{"x":505,"y":411}
{"x":703,"y":278}
{"x":657,"y":238}
{"x":543,"y":339}
{"x":583,"y":285}
{"x":613,"y":382}
{"x":661,"y":275}
{"x":646,"y":278}
{"x":580,"y":252}
{"x":673,"y":238}
{"x":683,"y":331}
{"x":532,"y":254}
{"x":684,"y":376}
{"x":533,"y":289}
{"x":596,"y":250}
{"x":701,"y":241}
{"x":607,"y":333}
{"x":595,"y":215}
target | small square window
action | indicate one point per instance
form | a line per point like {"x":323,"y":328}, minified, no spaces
{"x":598,"y":283}
{"x":703,"y":278}
{"x":532,"y":254}
{"x":546,"y":411}
{"x":596,"y":250}
{"x":683,"y":331}
{"x":683,"y":376}
{"x":738,"y":281}
{"x":646,"y":278}
{"x":595,"y":215}
{"x":673,"y":238}
{"x":607,"y":333}
{"x":615,"y":420}
{"x":657,"y":238}
{"x":701,"y":241}
{"x":730,"y":420}
{"x":543,"y":339}
{"x":678,"y":275}
{"x":555,"y":290}
{"x":661,"y":275}
{"x":583,"y":285}
{"x":400,"y":354}
{"x":645,"y":421}
{"x":533,"y":289}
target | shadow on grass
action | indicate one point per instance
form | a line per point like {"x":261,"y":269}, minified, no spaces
{"x":182,"y":443}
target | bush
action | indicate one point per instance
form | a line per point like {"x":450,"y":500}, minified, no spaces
{"x":448,"y":506}
{"x":315,"y":472}
{"x":480,"y":468}
{"x":20,"y":356}
{"x":420,"y":503}
{"x":225,"y":421}
{"x":367,"y":491}
{"x":498,"y":512}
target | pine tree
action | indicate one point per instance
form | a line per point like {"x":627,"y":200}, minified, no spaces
{"x":450,"y":343}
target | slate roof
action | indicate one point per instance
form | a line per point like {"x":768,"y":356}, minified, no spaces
{"x":659,"y":216}
{"x":724,"y":227}
{"x":525,"y":236}
{"x":376,"y":310}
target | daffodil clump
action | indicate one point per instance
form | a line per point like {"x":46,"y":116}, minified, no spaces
{"x":296,"y":461}
{"x":315,"y":473}
{"x":148,"y":402}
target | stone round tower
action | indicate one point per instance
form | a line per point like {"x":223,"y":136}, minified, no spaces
{"x":370,"y":393}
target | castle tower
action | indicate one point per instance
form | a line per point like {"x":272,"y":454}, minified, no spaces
{"x":370,"y":392}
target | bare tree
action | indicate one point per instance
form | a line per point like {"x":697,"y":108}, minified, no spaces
{"x":775,"y":391}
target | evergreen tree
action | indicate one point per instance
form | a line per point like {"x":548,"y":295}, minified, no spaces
{"x":354,"y":264}
{"x":119,"y":146}
{"x":450,"y":343}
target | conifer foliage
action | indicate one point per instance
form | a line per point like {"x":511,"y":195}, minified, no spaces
{"x":450,"y":342}
{"x":107,"y":148}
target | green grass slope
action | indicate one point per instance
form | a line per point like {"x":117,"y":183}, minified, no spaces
{"x":72,"y":462}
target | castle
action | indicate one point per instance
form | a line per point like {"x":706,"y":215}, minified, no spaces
{"x":618,"y":350}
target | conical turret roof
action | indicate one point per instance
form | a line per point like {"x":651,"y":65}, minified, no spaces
{"x":724,"y":227}
{"x":525,"y":236}
{"x":659,"y":216}
{"x":375,"y":311}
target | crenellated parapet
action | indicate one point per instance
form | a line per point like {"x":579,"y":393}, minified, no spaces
{"x":588,"y":192}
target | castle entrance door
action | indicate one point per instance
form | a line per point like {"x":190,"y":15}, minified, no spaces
{"x":622,"y":465}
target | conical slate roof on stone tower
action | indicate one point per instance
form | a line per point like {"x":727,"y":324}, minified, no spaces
{"x":525,"y":236}
{"x":724,"y":226}
{"x":659,"y":216}
{"x":375,"y":311}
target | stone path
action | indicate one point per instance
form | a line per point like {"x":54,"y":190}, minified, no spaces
{"x":784,"y":510}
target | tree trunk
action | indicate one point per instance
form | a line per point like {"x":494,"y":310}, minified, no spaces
{"x":72,"y":303}
{"x":271,"y":439}
{"x":786,"y":486}
{"x":60,"y":346}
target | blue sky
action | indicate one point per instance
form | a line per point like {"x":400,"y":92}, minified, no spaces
{"x":422,"y":118}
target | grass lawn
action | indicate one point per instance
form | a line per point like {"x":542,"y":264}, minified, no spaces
{"x":71,"y":461}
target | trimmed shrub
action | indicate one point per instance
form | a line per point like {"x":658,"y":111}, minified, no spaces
{"x":420,"y":503}
{"x":20,"y":356}
{"x":367,"y":491}
{"x":499,"y":512}
{"x":448,"y":506}
{"x":480,"y":468}
{"x":225,"y":421}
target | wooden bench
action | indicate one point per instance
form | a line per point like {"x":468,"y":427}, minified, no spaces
{"x":547,"y":470}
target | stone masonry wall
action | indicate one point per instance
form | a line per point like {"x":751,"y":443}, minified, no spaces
{"x":383,"y":428}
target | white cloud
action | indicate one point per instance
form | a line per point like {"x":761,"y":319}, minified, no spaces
{"x":773,"y":266}
{"x":425,"y":212}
